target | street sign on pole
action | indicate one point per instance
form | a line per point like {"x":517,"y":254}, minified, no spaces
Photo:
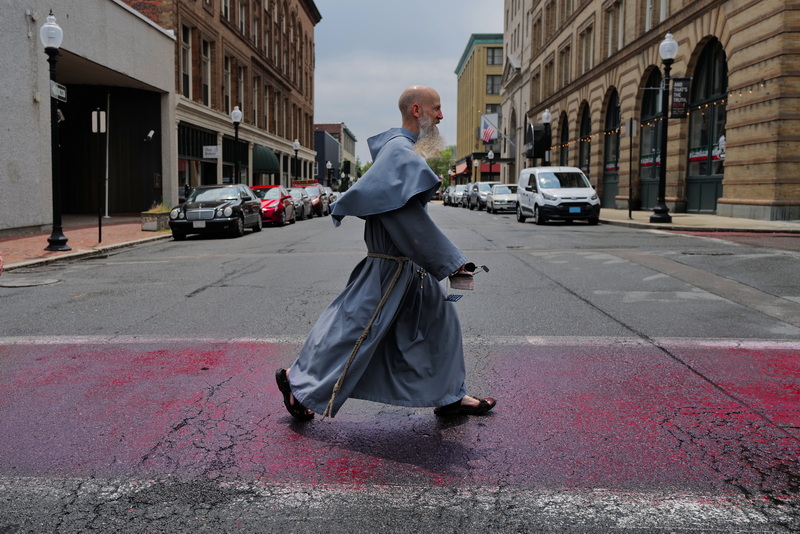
{"x":58,"y":91}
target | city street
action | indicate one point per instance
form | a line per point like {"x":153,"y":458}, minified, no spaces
{"x":647,"y":381}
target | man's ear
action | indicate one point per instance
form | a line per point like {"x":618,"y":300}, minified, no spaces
{"x":415,"y":110}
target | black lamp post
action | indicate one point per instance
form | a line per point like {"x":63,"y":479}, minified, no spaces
{"x":668,"y":49}
{"x":236,"y":117}
{"x":51,"y":36}
{"x":329,"y":167}
{"x":490,"y":155}
{"x":546,"y":118}
{"x":296,"y":147}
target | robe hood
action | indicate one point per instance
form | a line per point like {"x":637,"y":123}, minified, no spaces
{"x":396,"y":175}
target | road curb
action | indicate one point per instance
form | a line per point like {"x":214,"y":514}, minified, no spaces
{"x":79,"y":254}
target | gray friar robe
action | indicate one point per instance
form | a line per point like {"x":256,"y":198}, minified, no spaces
{"x":413,"y":355}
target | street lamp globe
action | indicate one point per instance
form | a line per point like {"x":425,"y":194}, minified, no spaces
{"x":668,"y":48}
{"x":50,"y":33}
{"x":546,"y":116}
{"x":490,"y":155}
{"x":236,"y":115}
{"x":296,"y":145}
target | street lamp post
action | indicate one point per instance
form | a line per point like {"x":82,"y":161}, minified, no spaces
{"x":546,"y":118}
{"x":296,"y":146}
{"x":476,"y":164}
{"x":490,"y":155}
{"x":236,"y":117}
{"x":329,"y":167}
{"x":51,"y":36}
{"x":668,"y":49}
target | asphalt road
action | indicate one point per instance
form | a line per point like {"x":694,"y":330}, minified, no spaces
{"x":647,"y":382}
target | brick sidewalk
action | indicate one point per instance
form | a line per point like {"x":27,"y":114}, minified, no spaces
{"x":82,"y":236}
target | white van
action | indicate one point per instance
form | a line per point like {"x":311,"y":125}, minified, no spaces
{"x":562,"y":193}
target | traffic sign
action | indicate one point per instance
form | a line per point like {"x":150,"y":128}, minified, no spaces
{"x":58,"y":91}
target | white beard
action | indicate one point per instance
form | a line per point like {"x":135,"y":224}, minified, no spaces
{"x":429,"y":143}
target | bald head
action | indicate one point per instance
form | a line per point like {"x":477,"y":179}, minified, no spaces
{"x":419,"y":102}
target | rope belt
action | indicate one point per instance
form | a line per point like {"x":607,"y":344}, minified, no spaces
{"x":400,"y":261}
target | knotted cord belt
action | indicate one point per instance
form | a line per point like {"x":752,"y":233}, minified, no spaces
{"x":400,"y":261}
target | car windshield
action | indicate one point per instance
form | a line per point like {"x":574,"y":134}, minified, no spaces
{"x":557,"y":180}
{"x":504,"y":189}
{"x":484,"y":187}
{"x":268,"y":194}
{"x":312,"y":190}
{"x":296,"y":193}
{"x":460,"y":188}
{"x":213,"y":194}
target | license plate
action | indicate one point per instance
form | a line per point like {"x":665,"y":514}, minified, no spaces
{"x":575,"y":209}
{"x":198,"y":224}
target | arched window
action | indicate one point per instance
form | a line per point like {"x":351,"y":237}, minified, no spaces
{"x":563,"y":158}
{"x":650,"y":140}
{"x":707,"y":129}
{"x":611,"y":152}
{"x":585,"y":151}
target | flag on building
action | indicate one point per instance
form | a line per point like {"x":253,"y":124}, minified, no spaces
{"x":488,"y":132}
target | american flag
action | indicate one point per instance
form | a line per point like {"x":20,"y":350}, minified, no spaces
{"x":488,"y":132}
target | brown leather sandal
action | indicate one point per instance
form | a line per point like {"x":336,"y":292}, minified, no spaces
{"x":450,"y":410}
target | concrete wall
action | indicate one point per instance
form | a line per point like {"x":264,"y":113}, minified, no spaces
{"x":105,"y":42}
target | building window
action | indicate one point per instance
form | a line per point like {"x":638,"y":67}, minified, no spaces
{"x":586,"y":41}
{"x":226,"y":9}
{"x":565,"y":64}
{"x":548,"y":81}
{"x":537,"y":37}
{"x":655,"y":11}
{"x":256,"y":31}
{"x":186,"y":61}
{"x":494,"y":56}
{"x":614,"y":27}
{"x":206,"y":73}
{"x":256,"y":85}
{"x":536,"y":88}
{"x":226,"y":85}
{"x":493,"y":84}
{"x":550,"y":18}
{"x":240,"y":85}
{"x":243,"y":18}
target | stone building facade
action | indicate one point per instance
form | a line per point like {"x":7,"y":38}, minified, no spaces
{"x":732,"y":150}
{"x":254,"y":54}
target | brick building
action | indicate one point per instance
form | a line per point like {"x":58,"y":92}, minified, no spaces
{"x":595,"y":65}
{"x":254,"y":54}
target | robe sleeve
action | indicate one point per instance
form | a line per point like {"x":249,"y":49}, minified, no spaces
{"x":417,"y":237}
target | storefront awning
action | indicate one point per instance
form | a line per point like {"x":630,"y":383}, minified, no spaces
{"x":461,"y":167}
{"x":264,"y":161}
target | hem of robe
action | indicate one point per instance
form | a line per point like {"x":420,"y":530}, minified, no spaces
{"x":449,"y":399}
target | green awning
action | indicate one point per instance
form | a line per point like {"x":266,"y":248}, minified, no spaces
{"x":264,"y":161}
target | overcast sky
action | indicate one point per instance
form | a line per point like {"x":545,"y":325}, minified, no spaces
{"x":368,"y":51}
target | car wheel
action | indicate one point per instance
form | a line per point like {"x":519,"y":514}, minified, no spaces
{"x":471,"y":207}
{"x":488,"y":209}
{"x":258,"y":226}
{"x":537,"y":217}
{"x":293,"y":219}
{"x":178,"y":236}
{"x":238,"y":230}
{"x":593,"y":220}
{"x":520,"y":217}
{"x":283,"y":219}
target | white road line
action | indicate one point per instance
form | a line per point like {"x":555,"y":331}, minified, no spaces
{"x":562,"y":341}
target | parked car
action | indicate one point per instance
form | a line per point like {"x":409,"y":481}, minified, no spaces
{"x":562,"y":193}
{"x":458,"y":195}
{"x":476,"y":198}
{"x":216,"y":208}
{"x":465,"y":195}
{"x":277,"y":206}
{"x":332,"y":195}
{"x":501,"y":197}
{"x":302,"y":202}
{"x":446,"y":194}
{"x":319,"y":200}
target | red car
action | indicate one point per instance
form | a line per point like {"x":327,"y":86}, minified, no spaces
{"x":319,"y":200}
{"x":276,"y":204}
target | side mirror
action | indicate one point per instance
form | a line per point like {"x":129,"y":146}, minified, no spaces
{"x":247,"y":198}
